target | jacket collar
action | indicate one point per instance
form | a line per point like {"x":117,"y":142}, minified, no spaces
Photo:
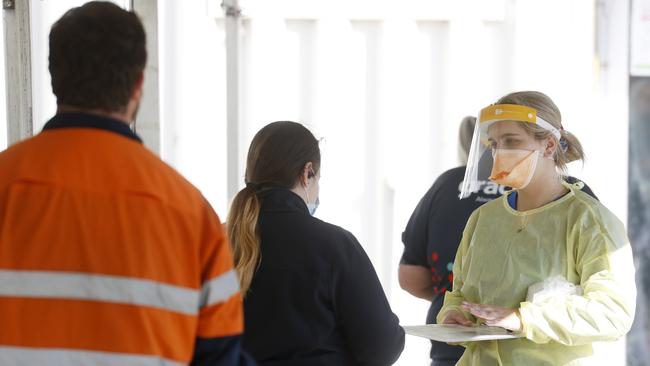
{"x":87,"y":120}
{"x":282,"y":199}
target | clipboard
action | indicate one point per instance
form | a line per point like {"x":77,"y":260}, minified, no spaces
{"x":456,"y":333}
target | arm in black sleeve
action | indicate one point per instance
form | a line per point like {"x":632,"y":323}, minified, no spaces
{"x":370,"y":329}
{"x":222,"y":351}
{"x":415,"y":235}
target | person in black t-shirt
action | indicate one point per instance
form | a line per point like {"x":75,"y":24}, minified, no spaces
{"x":432,"y":236}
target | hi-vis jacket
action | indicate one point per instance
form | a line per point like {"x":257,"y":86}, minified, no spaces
{"x":108,"y":256}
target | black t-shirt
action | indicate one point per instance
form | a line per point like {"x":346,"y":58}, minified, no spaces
{"x":434,"y":231}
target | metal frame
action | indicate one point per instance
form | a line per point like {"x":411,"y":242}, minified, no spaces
{"x":232,"y":13}
{"x":148,"y":119}
{"x":18,"y":63}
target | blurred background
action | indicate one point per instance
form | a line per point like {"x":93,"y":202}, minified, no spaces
{"x":385,"y":85}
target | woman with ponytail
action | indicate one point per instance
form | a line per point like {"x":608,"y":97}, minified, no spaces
{"x":311,"y":295}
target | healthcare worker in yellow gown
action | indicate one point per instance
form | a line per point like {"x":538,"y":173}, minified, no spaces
{"x":546,"y":259}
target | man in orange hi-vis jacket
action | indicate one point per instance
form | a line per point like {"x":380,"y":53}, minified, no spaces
{"x":107,"y":255}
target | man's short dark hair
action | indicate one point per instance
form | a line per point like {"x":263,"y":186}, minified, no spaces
{"x":97,"y":54}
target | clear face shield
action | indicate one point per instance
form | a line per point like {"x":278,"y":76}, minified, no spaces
{"x":507,"y":165}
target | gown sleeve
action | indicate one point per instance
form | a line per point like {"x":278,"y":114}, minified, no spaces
{"x":605,"y":311}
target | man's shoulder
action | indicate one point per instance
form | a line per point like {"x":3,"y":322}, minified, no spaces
{"x":102,"y":161}
{"x":453,"y":174}
{"x":152,"y":174}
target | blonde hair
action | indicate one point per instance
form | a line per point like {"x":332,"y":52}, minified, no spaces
{"x":244,"y":236}
{"x":465,"y":134}
{"x":276,"y":158}
{"x":568,"y":148}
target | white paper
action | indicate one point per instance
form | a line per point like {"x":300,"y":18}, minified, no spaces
{"x":459,"y":333}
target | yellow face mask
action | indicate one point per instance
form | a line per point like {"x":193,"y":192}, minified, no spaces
{"x":514,"y":168}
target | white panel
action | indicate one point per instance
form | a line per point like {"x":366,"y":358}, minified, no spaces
{"x":3,"y":96}
{"x":373,"y":9}
{"x":233,"y":28}
{"x":372,"y":126}
{"x":434,"y":99}
{"x":639,"y":38}
{"x":193,"y":97}
{"x":341,"y":81}
{"x":498,"y":56}
{"x":271,"y":84}
{"x":18,"y":72}
{"x":148,"y":118}
{"x":418,"y":79}
{"x":305,"y":32}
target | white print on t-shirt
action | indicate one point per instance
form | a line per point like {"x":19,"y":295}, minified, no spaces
{"x":487,"y":187}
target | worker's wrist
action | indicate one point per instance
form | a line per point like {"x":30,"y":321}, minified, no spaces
{"x":521,"y":323}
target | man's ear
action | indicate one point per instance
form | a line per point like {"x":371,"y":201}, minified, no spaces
{"x":137,"y":89}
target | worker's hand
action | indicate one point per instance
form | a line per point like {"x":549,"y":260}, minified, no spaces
{"x":456,"y":317}
{"x":493,"y":315}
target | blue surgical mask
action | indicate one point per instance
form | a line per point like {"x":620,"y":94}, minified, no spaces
{"x":313,"y":206}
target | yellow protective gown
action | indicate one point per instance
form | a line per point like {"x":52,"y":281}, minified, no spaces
{"x":504,"y":251}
